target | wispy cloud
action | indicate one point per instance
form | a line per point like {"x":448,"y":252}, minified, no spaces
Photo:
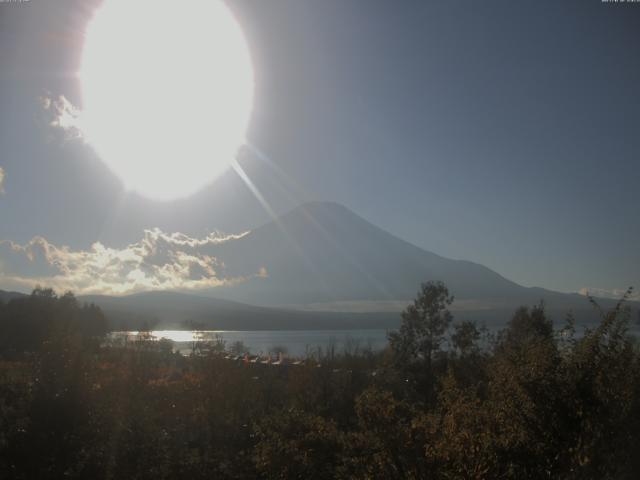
{"x":614,"y":293}
{"x":2,"y":177}
{"x":159,"y":261}
{"x":62,"y":116}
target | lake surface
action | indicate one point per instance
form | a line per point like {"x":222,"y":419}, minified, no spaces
{"x":297,"y":343}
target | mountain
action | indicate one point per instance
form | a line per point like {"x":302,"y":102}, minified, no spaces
{"x":6,"y":296}
{"x":325,"y":267}
{"x":324,"y":255}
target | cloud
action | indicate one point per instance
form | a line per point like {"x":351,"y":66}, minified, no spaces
{"x":159,"y":261}
{"x":62,"y":116}
{"x":2,"y":177}
{"x":615,"y":293}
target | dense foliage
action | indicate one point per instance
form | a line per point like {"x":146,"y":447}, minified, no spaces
{"x":445,"y":400}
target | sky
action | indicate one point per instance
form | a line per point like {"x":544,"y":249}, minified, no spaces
{"x":501,"y":132}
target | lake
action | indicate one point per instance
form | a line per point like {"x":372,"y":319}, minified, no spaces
{"x":296,"y":342}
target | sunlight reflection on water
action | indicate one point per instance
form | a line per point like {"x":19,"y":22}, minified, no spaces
{"x":296,"y":342}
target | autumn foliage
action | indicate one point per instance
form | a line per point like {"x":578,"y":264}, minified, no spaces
{"x":446,"y":400}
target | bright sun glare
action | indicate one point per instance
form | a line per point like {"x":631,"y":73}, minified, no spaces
{"x":167,"y":92}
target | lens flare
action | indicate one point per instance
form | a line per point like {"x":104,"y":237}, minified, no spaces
{"x":167,"y":92}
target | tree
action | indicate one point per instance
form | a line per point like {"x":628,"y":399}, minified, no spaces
{"x":528,"y":325}
{"x":27,"y":323}
{"x":239,"y":348}
{"x":602,"y":376}
{"x":424,"y":324}
{"x":465,"y":337}
{"x":296,"y":444}
{"x":525,"y":394}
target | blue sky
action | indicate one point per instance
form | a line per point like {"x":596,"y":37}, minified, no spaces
{"x":501,"y":132}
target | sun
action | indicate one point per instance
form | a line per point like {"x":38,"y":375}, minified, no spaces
{"x":167,"y":90}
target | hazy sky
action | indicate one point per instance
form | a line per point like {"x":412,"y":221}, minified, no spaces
{"x":506,"y":133}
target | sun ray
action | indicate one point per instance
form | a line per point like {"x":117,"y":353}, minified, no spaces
{"x":375,"y":283}
{"x":256,"y":192}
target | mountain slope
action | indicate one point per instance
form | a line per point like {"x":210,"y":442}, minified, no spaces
{"x":323,"y":252}
{"x":5,"y":296}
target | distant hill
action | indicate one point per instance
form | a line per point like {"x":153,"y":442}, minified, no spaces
{"x":171,"y":310}
{"x":6,"y":296}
